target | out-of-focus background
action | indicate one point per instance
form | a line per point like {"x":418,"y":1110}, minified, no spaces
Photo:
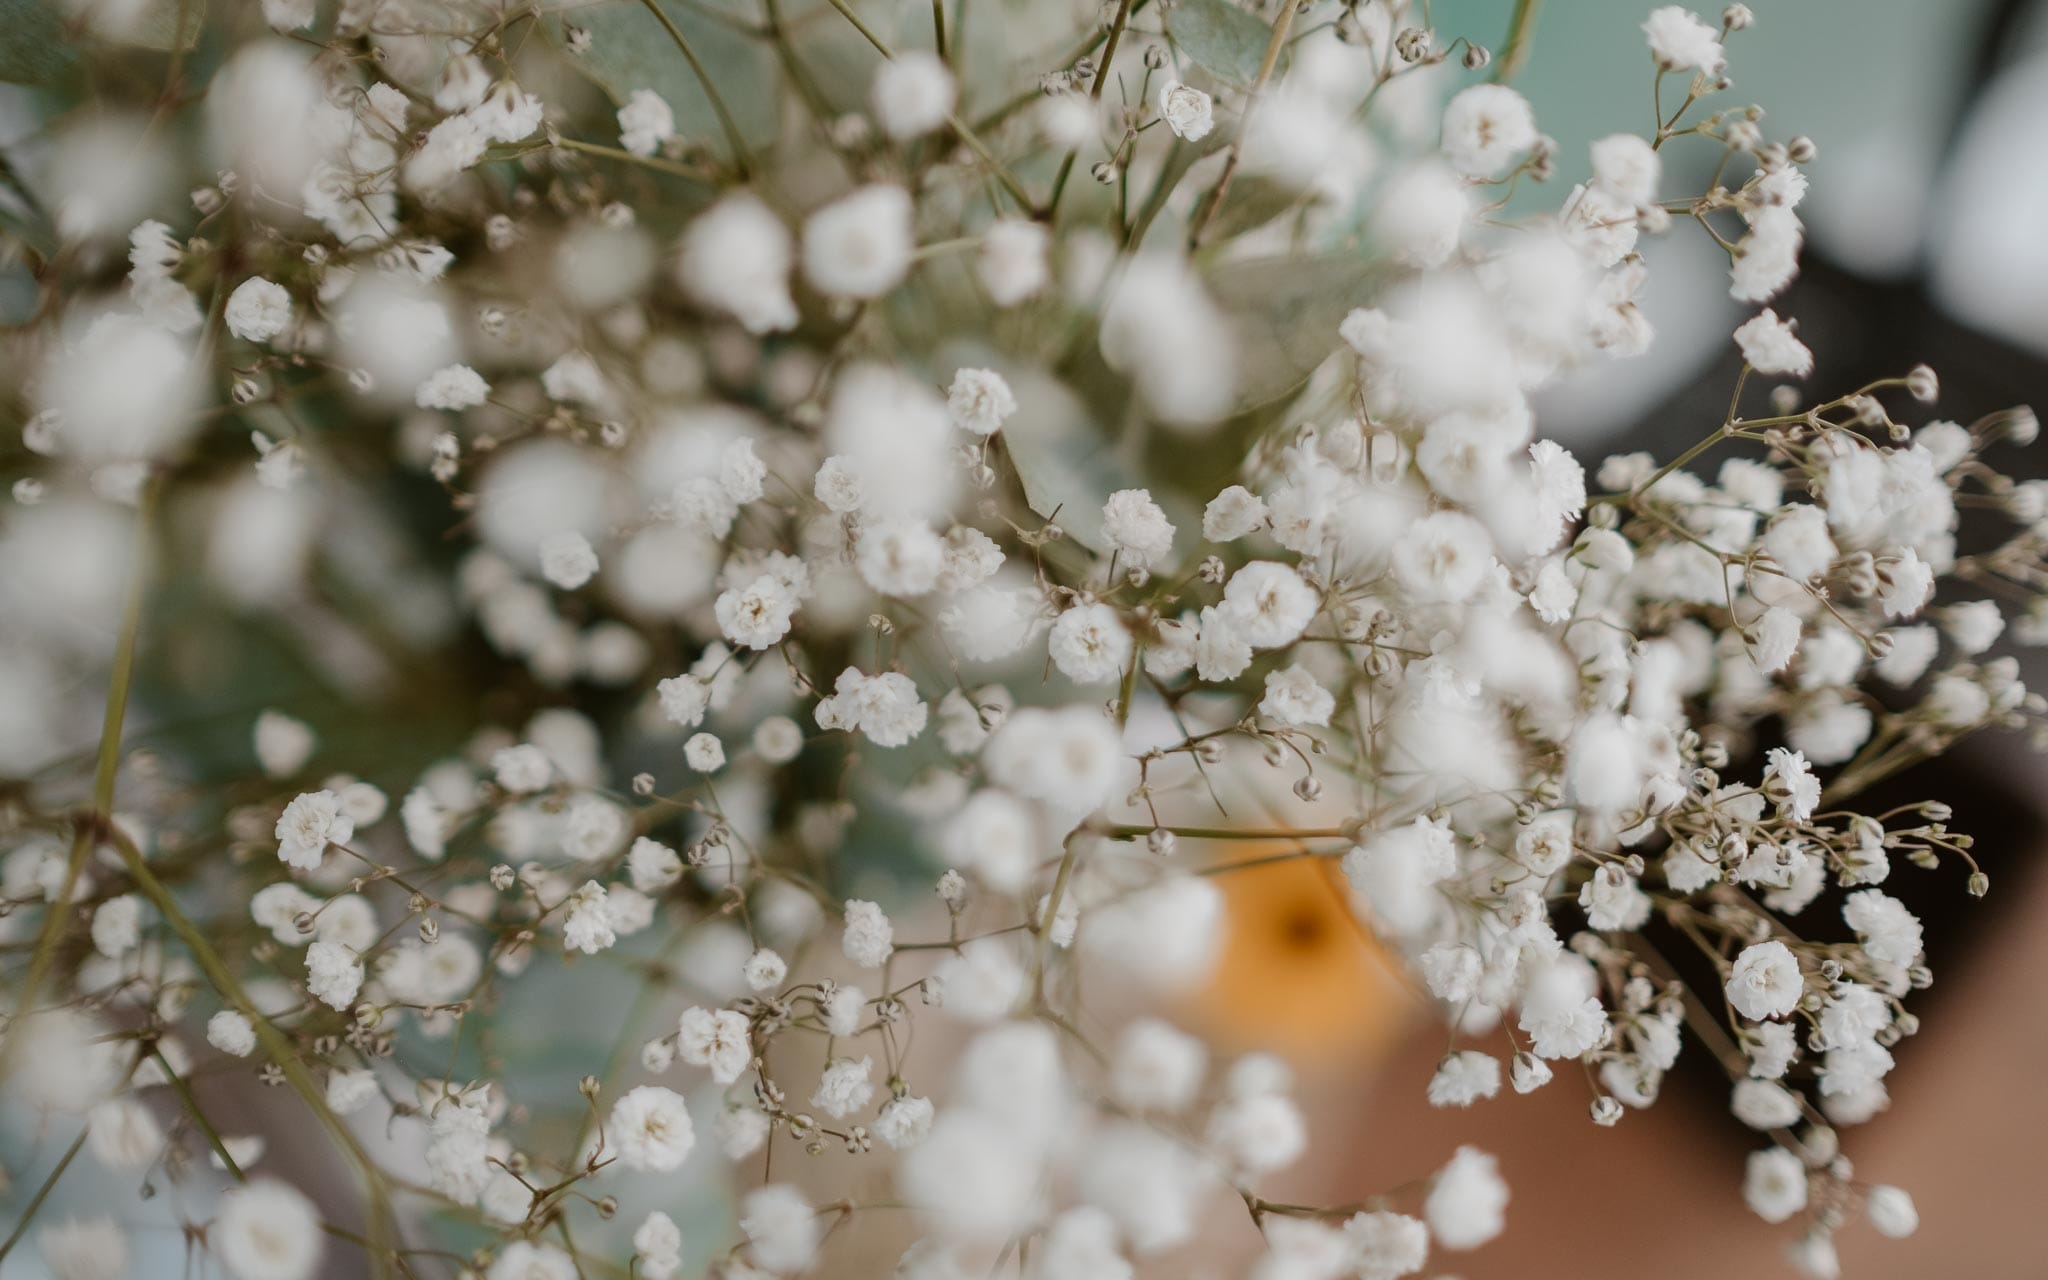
{"x":1928,"y":241}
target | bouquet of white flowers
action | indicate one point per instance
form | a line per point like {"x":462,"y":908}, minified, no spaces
{"x":1073,"y":441}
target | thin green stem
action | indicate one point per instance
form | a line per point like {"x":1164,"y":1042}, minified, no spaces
{"x":627,"y":157}
{"x":961,"y":129}
{"x":987,"y":157}
{"x":274,"y":1042}
{"x":1129,"y":831}
{"x":861,"y":27}
{"x":1521,"y":38}
{"x":28,"y":1215}
{"x":940,"y":248}
{"x":119,"y":681}
{"x":1050,"y":921}
{"x":741,"y":160}
{"x":184,"y":1091}
{"x":1275,"y":44}
{"x":1116,"y":35}
{"x":1630,"y":495}
{"x":1129,"y":693}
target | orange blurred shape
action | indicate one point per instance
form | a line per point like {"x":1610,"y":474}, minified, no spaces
{"x":1299,"y":975}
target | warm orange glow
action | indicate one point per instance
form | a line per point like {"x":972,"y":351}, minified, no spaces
{"x":1299,"y":975}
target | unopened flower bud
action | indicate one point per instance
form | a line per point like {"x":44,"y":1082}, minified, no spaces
{"x":1476,"y":57}
{"x":1821,"y":1142}
{"x":1529,"y":1072}
{"x":1858,"y":573}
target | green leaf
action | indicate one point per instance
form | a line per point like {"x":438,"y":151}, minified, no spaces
{"x":32,"y":45}
{"x":1180,"y":157}
{"x":1286,"y":311}
{"x":37,"y":45}
{"x":629,"y":50}
{"x":1253,"y":202}
{"x":164,"y":25}
{"x":18,"y":294}
{"x":1062,"y":458}
{"x":1221,"y":38}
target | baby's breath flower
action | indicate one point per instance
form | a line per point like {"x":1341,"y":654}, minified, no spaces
{"x":1187,"y":110}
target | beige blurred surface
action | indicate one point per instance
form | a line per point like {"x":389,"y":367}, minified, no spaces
{"x":1657,"y":1196}
{"x":1660,"y":1194}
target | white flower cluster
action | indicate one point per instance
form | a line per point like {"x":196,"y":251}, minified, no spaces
{"x":815,"y":489}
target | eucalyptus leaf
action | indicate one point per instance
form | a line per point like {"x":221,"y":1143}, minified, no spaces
{"x":165,"y":25}
{"x":1253,"y":202}
{"x":630,"y":50}
{"x":1063,"y":459}
{"x":37,"y":45}
{"x":1180,"y":158}
{"x":32,"y":45}
{"x":1286,"y":311}
{"x":1221,"y":38}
